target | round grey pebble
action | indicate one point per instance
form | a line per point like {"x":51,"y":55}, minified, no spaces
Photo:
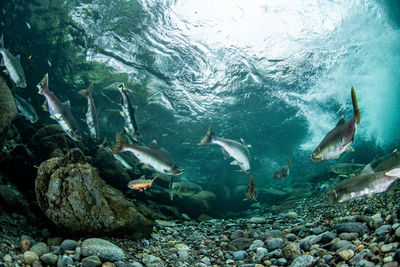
{"x":275,"y":244}
{"x":303,"y":261}
{"x":104,"y":249}
{"x":49,"y":258}
{"x":291,"y":237}
{"x":239,"y":255}
{"x":69,"y":244}
{"x":40,"y":248}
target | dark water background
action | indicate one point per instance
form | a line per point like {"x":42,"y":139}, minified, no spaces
{"x":277,"y":74}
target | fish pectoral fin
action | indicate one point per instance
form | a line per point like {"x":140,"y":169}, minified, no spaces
{"x":52,"y":117}
{"x":18,"y":57}
{"x":145,"y":166}
{"x":244,"y":199}
{"x":226,"y":154}
{"x":235,"y":162}
{"x":44,"y":106}
{"x":154,"y":145}
{"x":122,"y":113}
{"x":6,"y":72}
{"x":393,"y":172}
{"x":350,"y":149}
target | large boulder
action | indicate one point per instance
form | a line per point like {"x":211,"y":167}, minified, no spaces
{"x":8,"y":110}
{"x":72,"y":195}
{"x":111,"y":170}
{"x":48,"y":139}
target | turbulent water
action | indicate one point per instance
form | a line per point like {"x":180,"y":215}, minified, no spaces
{"x":276,"y":73}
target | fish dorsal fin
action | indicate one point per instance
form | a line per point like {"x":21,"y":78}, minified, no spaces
{"x":154,"y":145}
{"x":18,"y":57}
{"x":142,"y":177}
{"x":243,"y":142}
{"x":67,"y":104}
{"x":341,"y":121}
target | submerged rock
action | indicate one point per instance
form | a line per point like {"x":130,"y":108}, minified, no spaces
{"x":103,"y":249}
{"x":8,"y":110}
{"x":71,"y":194}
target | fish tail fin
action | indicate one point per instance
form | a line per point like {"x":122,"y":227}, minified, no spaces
{"x":44,"y":84}
{"x":120,"y":142}
{"x":88,"y":91}
{"x":121,"y":87}
{"x":356,"y":111}
{"x":171,"y":195}
{"x":393,"y":173}
{"x":84,"y":93}
{"x":208,"y":137}
{"x":288,"y":161}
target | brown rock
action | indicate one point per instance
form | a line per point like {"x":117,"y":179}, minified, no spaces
{"x":8,"y":110}
{"x":71,"y":194}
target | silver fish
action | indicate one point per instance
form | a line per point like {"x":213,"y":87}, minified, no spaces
{"x":60,"y":112}
{"x":150,"y":155}
{"x":283,"y":172}
{"x":230,"y":148}
{"x":363,"y":184}
{"x":339,"y":138}
{"x":347,"y":168}
{"x":26,"y":109}
{"x":13,"y":66}
{"x":91,"y":114}
{"x":128,"y":112}
{"x":183,"y":189}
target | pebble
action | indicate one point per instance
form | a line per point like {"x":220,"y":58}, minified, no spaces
{"x":348,"y":236}
{"x":303,"y":261}
{"x":152,"y":261}
{"x":291,"y":237}
{"x":30,"y":257}
{"x":275,"y":244}
{"x":49,"y":258}
{"x":239,"y":255}
{"x":346,"y":254}
{"x":108,"y":264}
{"x":206,"y":261}
{"x":91,"y":261}
{"x":352,"y":227}
{"x":257,"y":220}
{"x":40,"y":248}
{"x":291,"y":215}
{"x":69,"y":244}
{"x":383,"y":229}
{"x":386,"y":248}
{"x":104,"y":249}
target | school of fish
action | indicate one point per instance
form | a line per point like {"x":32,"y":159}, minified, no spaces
{"x":373,"y":178}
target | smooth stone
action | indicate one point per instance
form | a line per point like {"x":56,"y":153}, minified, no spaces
{"x":351,"y":227}
{"x":281,"y":261}
{"x":49,"y":258}
{"x":317,"y":231}
{"x":108,"y":264}
{"x":165,"y":223}
{"x":358,"y":257}
{"x":206,"y":261}
{"x":40,"y":248}
{"x":237,"y":234}
{"x":274,"y":244}
{"x":131,"y":264}
{"x":239,"y":255}
{"x":183,"y":254}
{"x":30,"y":257}
{"x":91,"y":261}
{"x":182,"y":246}
{"x":387,"y":259}
{"x":386,"y":248}
{"x":346,"y":254}
{"x":327,"y":237}
{"x":397,"y":233}
{"x":104,"y":249}
{"x":303,"y":261}
{"x":376,"y":220}
{"x":342,"y":244}
{"x":257,"y":220}
{"x":69,"y":244}
{"x":152,"y":261}
{"x":291,"y":237}
{"x":229,"y":261}
{"x":291,"y":215}
{"x":240,"y":243}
